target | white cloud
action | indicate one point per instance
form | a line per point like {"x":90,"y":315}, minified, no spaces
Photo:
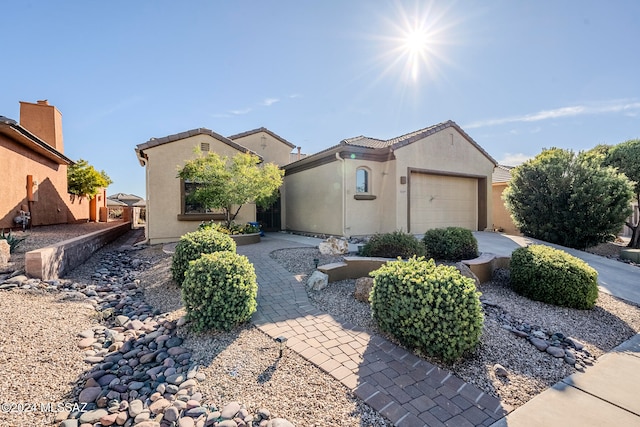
{"x":240,"y":112}
{"x":270,"y":101}
{"x":514,"y":159}
{"x":616,"y":106}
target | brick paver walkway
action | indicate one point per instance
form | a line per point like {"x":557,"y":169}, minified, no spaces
{"x":407,"y":390}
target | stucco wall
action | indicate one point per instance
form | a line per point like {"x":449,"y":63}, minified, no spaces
{"x":164,"y":201}
{"x":314,"y":197}
{"x":501,"y":216}
{"x":448,"y":152}
{"x":273,"y":152}
{"x":314,"y":200}
{"x":53,"y":205}
{"x":365,"y":217}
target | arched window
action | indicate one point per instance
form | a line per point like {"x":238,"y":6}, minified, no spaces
{"x":362,"y":180}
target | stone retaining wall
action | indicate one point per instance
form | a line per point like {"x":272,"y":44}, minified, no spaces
{"x":53,"y":261}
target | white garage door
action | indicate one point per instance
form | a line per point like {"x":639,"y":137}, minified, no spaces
{"x":438,"y":201}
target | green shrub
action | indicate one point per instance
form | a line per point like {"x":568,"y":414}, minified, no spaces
{"x":219,"y":291}
{"x":393,"y":245}
{"x":553,"y":276}
{"x":432,"y":308}
{"x":450,"y":244}
{"x":11,"y":240}
{"x":233,"y":228}
{"x":192,"y":245}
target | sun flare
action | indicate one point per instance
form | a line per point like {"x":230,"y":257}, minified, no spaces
{"x":416,"y":46}
{"x":416,"y":40}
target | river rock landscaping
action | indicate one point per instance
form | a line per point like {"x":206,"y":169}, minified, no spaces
{"x":105,"y":347}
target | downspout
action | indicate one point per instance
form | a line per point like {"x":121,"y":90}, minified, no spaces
{"x":344,"y":196}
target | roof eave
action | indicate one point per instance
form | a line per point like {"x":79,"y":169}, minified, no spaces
{"x":14,"y":131}
{"x":155,"y":142}
{"x":265,"y":130}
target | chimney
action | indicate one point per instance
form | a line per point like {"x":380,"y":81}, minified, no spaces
{"x":299,"y":148}
{"x":44,"y":121}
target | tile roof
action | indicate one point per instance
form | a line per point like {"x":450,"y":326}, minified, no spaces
{"x":406,"y":139}
{"x":501,"y":173}
{"x":265,"y":130}
{"x":154,"y":142}
{"x":365,"y":141}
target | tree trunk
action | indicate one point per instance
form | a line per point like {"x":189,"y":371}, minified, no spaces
{"x":635,"y":235}
{"x":634,"y":243}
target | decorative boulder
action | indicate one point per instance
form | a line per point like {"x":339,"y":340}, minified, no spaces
{"x":318,"y":281}
{"x":363,"y":289}
{"x":466,"y":272}
{"x":333,"y":246}
{"x":5,"y":252}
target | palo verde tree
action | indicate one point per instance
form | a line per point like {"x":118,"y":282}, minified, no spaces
{"x":84,"y":180}
{"x":626,"y":158}
{"x":229,"y":183}
{"x":567,"y":198}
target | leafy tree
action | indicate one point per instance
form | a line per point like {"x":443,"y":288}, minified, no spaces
{"x":568,"y":199}
{"x":84,"y":180}
{"x":228,"y":184}
{"x":626,"y":157}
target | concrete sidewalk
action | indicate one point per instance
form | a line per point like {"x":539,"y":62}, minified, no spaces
{"x":606,"y":394}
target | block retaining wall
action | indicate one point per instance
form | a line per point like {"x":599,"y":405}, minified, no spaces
{"x":53,"y":261}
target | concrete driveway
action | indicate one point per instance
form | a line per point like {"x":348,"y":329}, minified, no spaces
{"x":614,"y":277}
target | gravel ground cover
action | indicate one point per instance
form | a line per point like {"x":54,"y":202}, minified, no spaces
{"x":40,"y":237}
{"x":530,"y":371}
{"x":41,"y":361}
{"x":244,"y":366}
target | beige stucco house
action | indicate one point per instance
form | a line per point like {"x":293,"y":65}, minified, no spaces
{"x":168,"y":214}
{"x":433,"y":177}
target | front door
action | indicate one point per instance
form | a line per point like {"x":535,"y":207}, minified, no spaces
{"x":269,"y":218}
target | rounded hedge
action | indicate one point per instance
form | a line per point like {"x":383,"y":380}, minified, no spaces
{"x":219,"y":291}
{"x":545,"y":274}
{"x":431,"y":308}
{"x":450,"y":244}
{"x":194,"y":244}
{"x":393,"y":245}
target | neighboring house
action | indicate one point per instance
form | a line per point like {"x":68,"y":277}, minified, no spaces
{"x":168,"y":214}
{"x":434,"y":177}
{"x":34,"y":175}
{"x":502,"y":220}
{"x":111,"y":203}
{"x":125,"y":199}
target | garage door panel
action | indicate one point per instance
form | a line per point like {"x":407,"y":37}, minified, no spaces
{"x":438,"y":201}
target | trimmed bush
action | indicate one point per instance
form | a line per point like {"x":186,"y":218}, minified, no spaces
{"x":393,"y":245}
{"x":233,"y":228}
{"x":450,"y":244}
{"x":553,"y":276}
{"x":219,"y":291}
{"x":194,"y":244}
{"x":431,"y":308}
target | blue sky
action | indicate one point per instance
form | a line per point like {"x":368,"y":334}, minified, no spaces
{"x":517,"y":76}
